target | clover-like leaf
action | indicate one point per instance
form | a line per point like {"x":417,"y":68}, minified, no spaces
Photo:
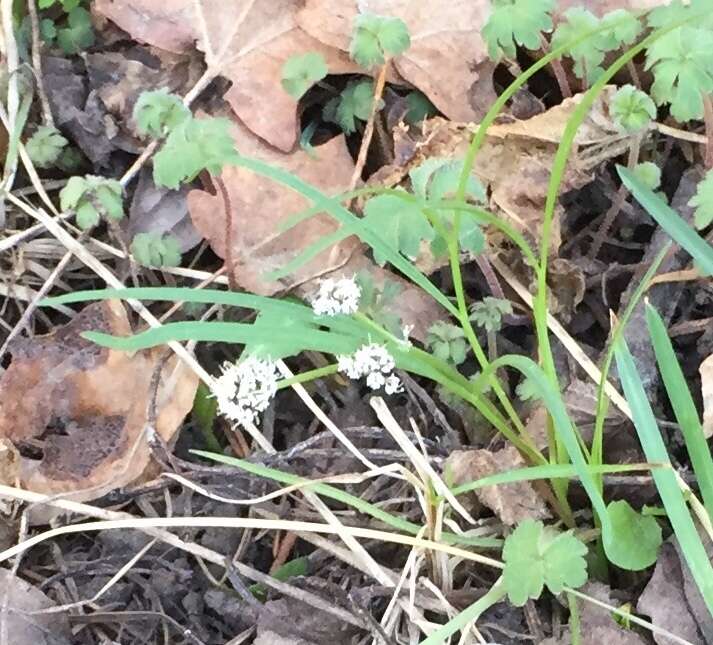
{"x":399,"y":223}
{"x":632,"y":109}
{"x":354,"y":103}
{"x":536,"y":556}
{"x":195,"y":145}
{"x":447,"y":342}
{"x":151,"y":249}
{"x":157,"y":112}
{"x":682,"y":65}
{"x":302,"y":71}
{"x":634,"y":540}
{"x":92,"y":197}
{"x":518,"y":22}
{"x":703,"y":201}
{"x":78,"y":34}
{"x":376,"y":38}
{"x":489,"y":312}
{"x":45,"y":146}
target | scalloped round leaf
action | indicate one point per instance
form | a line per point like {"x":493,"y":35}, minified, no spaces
{"x":302,"y":71}
{"x":635,"y":539}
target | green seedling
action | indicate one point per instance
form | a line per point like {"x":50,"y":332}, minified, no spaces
{"x":151,"y":249}
{"x":703,"y":201}
{"x":45,"y":146}
{"x":447,"y":342}
{"x":159,"y":112}
{"x":351,"y":106}
{"x":302,"y":71}
{"x":632,"y":109}
{"x":377,"y":38}
{"x":488,"y":313}
{"x":92,"y":198}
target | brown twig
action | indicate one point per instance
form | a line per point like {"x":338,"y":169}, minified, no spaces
{"x":369,"y":131}
{"x":37,"y":63}
{"x":228,"y":206}
{"x":558,"y":70}
{"x":284,"y":548}
{"x":708,"y":120}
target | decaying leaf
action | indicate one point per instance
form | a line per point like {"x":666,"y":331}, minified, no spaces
{"x":78,"y":412}
{"x":25,"y":627}
{"x":247,"y":43}
{"x":706,"y":371}
{"x":446,"y":49}
{"x":512,"y":503}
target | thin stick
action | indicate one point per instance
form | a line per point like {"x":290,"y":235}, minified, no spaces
{"x":369,"y":131}
{"x":558,"y":70}
{"x":708,"y":120}
{"x":228,"y":210}
{"x":37,"y":63}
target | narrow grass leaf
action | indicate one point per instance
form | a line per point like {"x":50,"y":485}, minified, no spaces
{"x":671,"y":495}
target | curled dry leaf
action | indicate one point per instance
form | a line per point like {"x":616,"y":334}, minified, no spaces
{"x":512,"y":503}
{"x":446,"y":53}
{"x":78,"y":412}
{"x":246,"y":42}
{"x":706,"y":371}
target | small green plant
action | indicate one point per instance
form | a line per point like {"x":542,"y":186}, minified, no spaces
{"x":151,"y":249}
{"x":73,"y":32}
{"x":158,"y":112}
{"x":536,"y":556}
{"x":703,"y":201}
{"x":302,"y":71}
{"x":517,"y":22}
{"x":352,"y":105}
{"x":649,"y":173}
{"x":45,"y":146}
{"x":489,"y":312}
{"x":377,"y":38}
{"x":92,"y":198}
{"x":419,"y":108}
{"x":632,"y":109}
{"x":447,"y":342}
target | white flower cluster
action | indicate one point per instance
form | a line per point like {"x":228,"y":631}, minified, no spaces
{"x":245,"y":389}
{"x":336,"y":297}
{"x":374,"y":362}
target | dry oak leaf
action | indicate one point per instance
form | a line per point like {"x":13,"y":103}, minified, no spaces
{"x":246,"y":42}
{"x":512,"y":503}
{"x":78,"y":412}
{"x":259,"y":206}
{"x":706,"y":372}
{"x":446,"y":49}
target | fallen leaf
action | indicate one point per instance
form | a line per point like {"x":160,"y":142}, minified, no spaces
{"x":566,"y":282}
{"x":706,"y":372}
{"x":600,"y":7}
{"x":512,"y":503}
{"x":77,"y":412}
{"x":672,"y":600}
{"x":446,"y":53}
{"x":247,"y":43}
{"x":26,"y":627}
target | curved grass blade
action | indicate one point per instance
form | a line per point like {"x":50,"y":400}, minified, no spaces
{"x":669,"y":220}
{"x":683,"y":406}
{"x":326,"y":490}
{"x":665,"y":479}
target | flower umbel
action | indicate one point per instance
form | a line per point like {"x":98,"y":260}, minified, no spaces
{"x":336,"y":297}
{"x":373,"y":362}
{"x":245,"y":389}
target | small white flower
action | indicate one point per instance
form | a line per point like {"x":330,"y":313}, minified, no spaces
{"x":406,"y":332}
{"x":245,"y":389}
{"x":373,"y":362}
{"x":336,"y":297}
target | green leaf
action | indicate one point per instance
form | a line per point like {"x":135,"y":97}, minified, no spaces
{"x":157,"y":112}
{"x":649,"y":173}
{"x":354,"y":103}
{"x":376,"y":38}
{"x":195,"y":145}
{"x":527,"y":390}
{"x":45,"y":146}
{"x":447,"y":342}
{"x":632,"y":109}
{"x":488,"y":313}
{"x":536,"y":556}
{"x":70,"y":160}
{"x":91,"y":197}
{"x":682,"y":64}
{"x":637,"y":538}
{"x":48,"y":30}
{"x":419,"y":108}
{"x":625,"y":28}
{"x":151,"y":249}
{"x":72,"y":192}
{"x":399,"y":223}
{"x":302,"y":71}
{"x":703,"y":201}
{"x":45,"y":4}
{"x":87,"y":216}
{"x":79,"y":34}
{"x":518,"y":22}
{"x":670,"y":221}
{"x":69,"y":5}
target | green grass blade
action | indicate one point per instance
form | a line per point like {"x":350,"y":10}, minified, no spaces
{"x":339,"y":495}
{"x":669,"y":220}
{"x":683,"y":406}
{"x":671,"y":495}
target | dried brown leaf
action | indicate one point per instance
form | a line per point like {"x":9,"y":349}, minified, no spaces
{"x":512,"y":503}
{"x":86,"y":407}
